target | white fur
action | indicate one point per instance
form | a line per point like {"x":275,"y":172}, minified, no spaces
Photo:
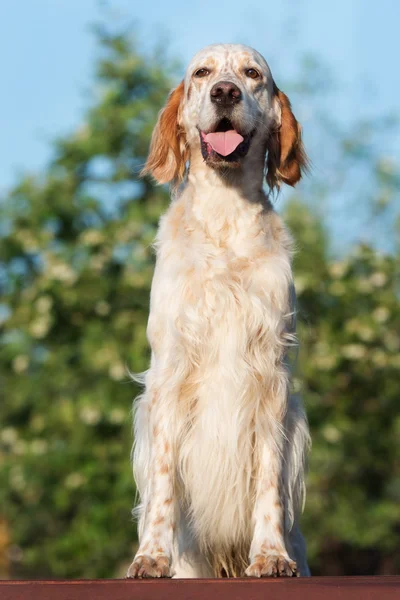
{"x":219,"y":444}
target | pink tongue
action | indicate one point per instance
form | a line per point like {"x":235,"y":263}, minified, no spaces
{"x":224,"y":142}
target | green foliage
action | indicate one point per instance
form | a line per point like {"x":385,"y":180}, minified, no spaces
{"x":349,"y":360}
{"x":75,"y":274}
{"x":75,"y":283}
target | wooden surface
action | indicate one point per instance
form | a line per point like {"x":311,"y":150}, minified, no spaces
{"x":313,"y":588}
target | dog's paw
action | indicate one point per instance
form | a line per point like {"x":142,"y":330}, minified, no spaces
{"x":147,"y":566}
{"x":272,"y":565}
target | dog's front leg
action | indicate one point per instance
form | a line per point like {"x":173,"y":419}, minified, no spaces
{"x":157,"y":520}
{"x":268,"y":554}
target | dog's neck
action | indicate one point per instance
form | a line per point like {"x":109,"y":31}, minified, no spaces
{"x":244,"y":183}
{"x":227,"y":202}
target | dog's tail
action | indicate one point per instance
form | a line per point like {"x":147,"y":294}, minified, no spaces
{"x":297,"y":444}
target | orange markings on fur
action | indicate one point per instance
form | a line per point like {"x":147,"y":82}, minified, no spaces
{"x":168,"y":152}
{"x":176,"y":221}
{"x":286,"y":155}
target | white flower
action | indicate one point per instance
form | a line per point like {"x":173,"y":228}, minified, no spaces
{"x":117,"y":416}
{"x":338,"y":269}
{"x":378,"y":279}
{"x":90,"y":415}
{"x":381,"y":314}
{"x":354,"y":351}
{"x":102,"y":308}
{"x":331,"y":433}
{"x":9,"y":436}
{"x":379,"y":358}
{"x":92,"y":237}
{"x":75,"y":480}
{"x":39,"y":327}
{"x":62,"y":272}
{"x":325,"y":362}
{"x":366,"y":333}
{"x":117,"y":371}
{"x":44,"y":304}
{"x":20,"y":363}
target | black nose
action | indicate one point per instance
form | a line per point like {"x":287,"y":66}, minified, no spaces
{"x":225,"y":93}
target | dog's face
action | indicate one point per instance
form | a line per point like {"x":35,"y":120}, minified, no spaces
{"x":227,"y":107}
{"x":228,"y":103}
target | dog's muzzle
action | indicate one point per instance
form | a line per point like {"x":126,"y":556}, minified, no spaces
{"x":224,"y":144}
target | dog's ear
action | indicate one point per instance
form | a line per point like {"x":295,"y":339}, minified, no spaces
{"x":168,"y":151}
{"x":286,"y":160}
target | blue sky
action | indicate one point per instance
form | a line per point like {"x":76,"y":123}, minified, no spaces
{"x":48,"y":51}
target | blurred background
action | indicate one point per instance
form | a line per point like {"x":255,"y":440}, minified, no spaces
{"x":82,"y":85}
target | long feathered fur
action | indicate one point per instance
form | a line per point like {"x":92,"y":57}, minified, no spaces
{"x":216,"y":389}
{"x":220,"y":444}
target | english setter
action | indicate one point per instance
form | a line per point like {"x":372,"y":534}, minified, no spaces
{"x":220,"y":443}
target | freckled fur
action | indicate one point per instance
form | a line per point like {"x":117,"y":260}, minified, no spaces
{"x":221,"y":454}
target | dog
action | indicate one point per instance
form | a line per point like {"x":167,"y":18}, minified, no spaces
{"x":220,"y":443}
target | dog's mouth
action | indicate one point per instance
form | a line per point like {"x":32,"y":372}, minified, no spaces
{"x":225,"y":143}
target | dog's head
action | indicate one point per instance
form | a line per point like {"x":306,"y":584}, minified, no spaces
{"x":229,"y":108}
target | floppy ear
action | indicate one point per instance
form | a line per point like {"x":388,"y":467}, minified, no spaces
{"x":286,"y":159}
{"x":168,"y":151}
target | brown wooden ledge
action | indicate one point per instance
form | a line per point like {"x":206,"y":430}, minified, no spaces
{"x":312,"y":588}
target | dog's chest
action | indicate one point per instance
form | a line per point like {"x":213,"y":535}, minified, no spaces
{"x":221,"y":242}
{"x":226,"y":276}
{"x":221,"y":277}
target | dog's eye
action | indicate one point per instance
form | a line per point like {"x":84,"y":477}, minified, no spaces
{"x":201,"y":73}
{"x":252,"y":73}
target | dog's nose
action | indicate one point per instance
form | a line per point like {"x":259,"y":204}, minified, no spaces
{"x":225,"y":93}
